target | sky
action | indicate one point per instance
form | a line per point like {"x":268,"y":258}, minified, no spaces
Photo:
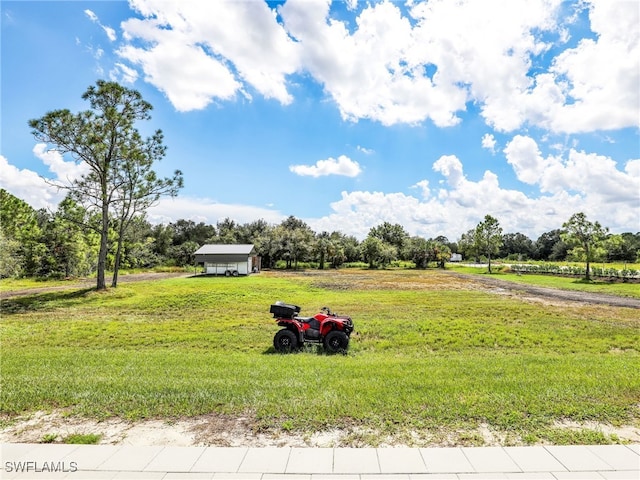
{"x":347,"y":114}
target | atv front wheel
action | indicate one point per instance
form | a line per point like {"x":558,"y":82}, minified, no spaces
{"x":336,"y":341}
{"x":285,"y":341}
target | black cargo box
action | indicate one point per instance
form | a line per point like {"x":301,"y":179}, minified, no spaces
{"x":284,"y":310}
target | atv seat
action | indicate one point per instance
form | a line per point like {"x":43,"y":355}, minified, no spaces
{"x":313,"y":323}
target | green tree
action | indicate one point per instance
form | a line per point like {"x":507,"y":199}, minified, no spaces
{"x":189,"y":231}
{"x":623,"y":248}
{"x":22,"y":236}
{"x":71,"y":250}
{"x":296,"y":240}
{"x":467,"y":245}
{"x":228,"y":231}
{"x":487,"y":237}
{"x":418,"y":251}
{"x":336,"y":252}
{"x":322,"y":246}
{"x":516,"y":246}
{"x":139,"y":187}
{"x":440,"y":252}
{"x":342,"y":248}
{"x":550,"y":246}
{"x":370,"y":250}
{"x":388,"y":253}
{"x":586,"y":238}
{"x":138,"y":245}
{"x":106,"y":140}
{"x":258,"y":233}
{"x":394,"y":235}
{"x":182,"y":254}
{"x":252,"y":232}
{"x":10,"y":260}
{"x":162,"y":240}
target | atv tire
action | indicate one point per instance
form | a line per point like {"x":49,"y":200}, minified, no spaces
{"x":285,"y":341}
{"x":336,"y":341}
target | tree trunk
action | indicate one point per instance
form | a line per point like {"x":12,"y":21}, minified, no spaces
{"x":116,"y":266}
{"x":102,"y":255}
{"x":588,"y":273}
{"x":116,"y":263}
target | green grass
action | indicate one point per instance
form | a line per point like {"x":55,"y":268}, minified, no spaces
{"x":553,"y":281}
{"x":427,"y":354}
{"x":82,"y":439}
{"x":12,"y":284}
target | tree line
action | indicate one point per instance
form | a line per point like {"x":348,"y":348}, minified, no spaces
{"x":101,"y":223}
{"x":61,"y":244}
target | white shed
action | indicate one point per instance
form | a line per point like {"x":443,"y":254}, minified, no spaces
{"x":229,"y":260}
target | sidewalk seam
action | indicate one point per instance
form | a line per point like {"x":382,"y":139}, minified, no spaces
{"x":196,"y":460}
{"x":566,"y":469}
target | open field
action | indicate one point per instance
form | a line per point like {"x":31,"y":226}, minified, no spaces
{"x":597,"y":285}
{"x":436,"y":360}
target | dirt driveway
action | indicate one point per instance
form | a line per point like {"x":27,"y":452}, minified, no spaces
{"x":549,"y":295}
{"x":486,"y":282}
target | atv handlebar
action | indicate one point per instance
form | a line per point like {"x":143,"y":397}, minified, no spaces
{"x":327,"y":310}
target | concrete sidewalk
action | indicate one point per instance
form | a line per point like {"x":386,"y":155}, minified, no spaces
{"x":79,"y":462}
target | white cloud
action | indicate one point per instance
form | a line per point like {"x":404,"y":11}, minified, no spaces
{"x":65,"y":171}
{"x":185,"y":73}
{"x":484,"y":48}
{"x":600,"y":77}
{"x":593,"y":86}
{"x":41,"y":193}
{"x":489,"y":142}
{"x":36,"y":190}
{"x":366,"y":151}
{"x":451,"y":168}
{"x":208,"y":211}
{"x":123,"y":73}
{"x":111,"y":33}
{"x":342,"y":166}
{"x":92,"y":16}
{"x":582,"y":182}
{"x":523,"y":154}
{"x":593,"y":176}
{"x":352,"y":4}
{"x":197,"y":52}
{"x":423,"y":185}
{"x":372,"y":72}
{"x":395,"y":67}
{"x":27,"y":185}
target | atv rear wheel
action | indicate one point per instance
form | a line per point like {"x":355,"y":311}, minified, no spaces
{"x":336,"y":341}
{"x":285,"y":341}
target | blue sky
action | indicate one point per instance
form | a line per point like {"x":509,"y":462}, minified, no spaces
{"x":348,"y":114}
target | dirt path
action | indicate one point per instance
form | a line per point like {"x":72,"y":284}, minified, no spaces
{"x":496,"y":285}
{"x":545,"y":294}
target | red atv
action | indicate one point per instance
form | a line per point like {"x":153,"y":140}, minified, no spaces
{"x":325,"y":328}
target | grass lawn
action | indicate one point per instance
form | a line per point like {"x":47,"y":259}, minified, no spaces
{"x":596,"y":285}
{"x":431,"y":353}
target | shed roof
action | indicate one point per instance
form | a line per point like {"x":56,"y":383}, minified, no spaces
{"x":225,"y":250}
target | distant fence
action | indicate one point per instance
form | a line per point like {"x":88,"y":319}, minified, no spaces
{"x":571,"y":270}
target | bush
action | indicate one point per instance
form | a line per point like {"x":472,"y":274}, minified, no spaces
{"x":355,"y":265}
{"x":573,"y":270}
